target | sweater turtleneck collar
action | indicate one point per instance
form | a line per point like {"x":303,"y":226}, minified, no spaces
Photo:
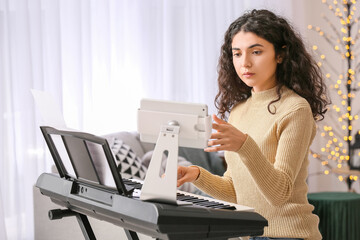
{"x":267,"y":95}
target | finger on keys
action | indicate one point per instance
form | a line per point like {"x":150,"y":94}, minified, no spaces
{"x":181,"y":172}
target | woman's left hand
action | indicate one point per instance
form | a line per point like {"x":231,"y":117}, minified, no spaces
{"x":227,"y":137}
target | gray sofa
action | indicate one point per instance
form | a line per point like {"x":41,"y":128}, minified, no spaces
{"x":68,"y":228}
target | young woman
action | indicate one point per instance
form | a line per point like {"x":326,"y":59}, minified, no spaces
{"x":274,"y":92}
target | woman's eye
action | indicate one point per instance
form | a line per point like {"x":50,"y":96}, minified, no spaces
{"x":256,"y":52}
{"x":236,"y":54}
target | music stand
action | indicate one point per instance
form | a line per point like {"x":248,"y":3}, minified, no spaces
{"x":83,"y":149}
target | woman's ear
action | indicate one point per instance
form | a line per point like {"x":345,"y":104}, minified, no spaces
{"x":280,"y":56}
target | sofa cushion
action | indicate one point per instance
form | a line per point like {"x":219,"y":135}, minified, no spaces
{"x":130,"y":138}
{"x":128,"y":163}
{"x":209,"y":160}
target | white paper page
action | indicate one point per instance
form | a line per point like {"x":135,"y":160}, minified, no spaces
{"x":50,"y":111}
{"x":52,"y":116}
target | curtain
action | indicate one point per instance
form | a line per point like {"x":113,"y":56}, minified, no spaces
{"x":98,"y":58}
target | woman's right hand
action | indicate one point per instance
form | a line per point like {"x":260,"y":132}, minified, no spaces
{"x":187,"y":174}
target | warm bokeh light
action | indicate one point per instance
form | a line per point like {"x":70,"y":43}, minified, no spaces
{"x":338,"y":130}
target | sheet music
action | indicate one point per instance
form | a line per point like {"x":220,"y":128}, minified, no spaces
{"x":52,"y":115}
{"x":49,"y":110}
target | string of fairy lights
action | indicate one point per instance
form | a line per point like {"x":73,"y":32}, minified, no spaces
{"x":338,"y":127}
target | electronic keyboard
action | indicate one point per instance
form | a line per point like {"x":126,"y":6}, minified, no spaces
{"x":158,"y":220}
{"x":86,"y":193}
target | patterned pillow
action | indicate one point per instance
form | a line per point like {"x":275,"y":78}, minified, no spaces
{"x":129,"y":165}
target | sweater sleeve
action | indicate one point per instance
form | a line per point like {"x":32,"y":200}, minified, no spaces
{"x":218,"y":187}
{"x":295,"y":133}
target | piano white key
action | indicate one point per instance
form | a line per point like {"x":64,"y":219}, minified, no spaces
{"x":237,"y":206}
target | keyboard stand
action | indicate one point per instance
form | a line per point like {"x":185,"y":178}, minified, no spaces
{"x":84,"y":223}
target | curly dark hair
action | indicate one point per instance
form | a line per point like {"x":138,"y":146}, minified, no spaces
{"x":298,"y":70}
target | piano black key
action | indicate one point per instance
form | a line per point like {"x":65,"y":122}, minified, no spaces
{"x":196,"y":200}
{"x":207,"y":204}
{"x":228,"y":207}
{"x":204,"y":203}
{"x":188,"y":198}
{"x":183,"y":198}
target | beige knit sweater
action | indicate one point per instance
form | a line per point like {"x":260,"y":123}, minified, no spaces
{"x":269,"y":171}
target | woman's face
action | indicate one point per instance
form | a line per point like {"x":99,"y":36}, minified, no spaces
{"x":255,"y":61}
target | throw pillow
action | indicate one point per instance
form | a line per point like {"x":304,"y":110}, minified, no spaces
{"x":128,"y":163}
